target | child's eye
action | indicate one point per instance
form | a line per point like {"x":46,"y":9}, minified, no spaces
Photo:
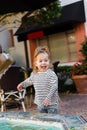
{"x":46,"y":60}
{"x":40,"y":61}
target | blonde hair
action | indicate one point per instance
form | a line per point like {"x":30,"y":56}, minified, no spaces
{"x":39,"y":50}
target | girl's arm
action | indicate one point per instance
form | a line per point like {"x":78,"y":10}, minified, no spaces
{"x":25,"y":83}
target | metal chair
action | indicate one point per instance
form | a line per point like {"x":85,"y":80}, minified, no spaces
{"x":8,"y":86}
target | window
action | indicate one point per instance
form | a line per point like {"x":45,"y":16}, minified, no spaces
{"x":62,"y":46}
{"x":71,"y":45}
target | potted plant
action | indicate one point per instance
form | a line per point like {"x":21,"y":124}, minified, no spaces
{"x":79,"y":71}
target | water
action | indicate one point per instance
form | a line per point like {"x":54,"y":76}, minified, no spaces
{"x":7,"y":124}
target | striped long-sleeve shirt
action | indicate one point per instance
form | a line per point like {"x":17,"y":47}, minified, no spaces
{"x":45,"y":85}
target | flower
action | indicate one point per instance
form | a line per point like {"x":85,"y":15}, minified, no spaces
{"x":79,"y":69}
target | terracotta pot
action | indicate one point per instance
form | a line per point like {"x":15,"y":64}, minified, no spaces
{"x":81,"y":83}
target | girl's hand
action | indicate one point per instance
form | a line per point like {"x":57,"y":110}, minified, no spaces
{"x":19,"y":87}
{"x":46,"y":102}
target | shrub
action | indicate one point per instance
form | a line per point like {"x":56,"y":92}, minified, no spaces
{"x":65,"y":82}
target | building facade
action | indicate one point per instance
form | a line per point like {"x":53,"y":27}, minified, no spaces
{"x":64,"y":39}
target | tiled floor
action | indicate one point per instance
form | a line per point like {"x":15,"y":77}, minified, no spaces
{"x":75,"y":104}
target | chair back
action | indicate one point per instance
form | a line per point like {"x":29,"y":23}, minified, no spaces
{"x":13,"y":76}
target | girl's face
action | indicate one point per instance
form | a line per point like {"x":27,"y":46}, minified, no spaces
{"x":42,"y":62}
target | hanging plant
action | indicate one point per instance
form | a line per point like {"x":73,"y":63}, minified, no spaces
{"x":43,"y":16}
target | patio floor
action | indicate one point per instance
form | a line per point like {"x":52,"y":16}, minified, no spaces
{"x":74,"y":104}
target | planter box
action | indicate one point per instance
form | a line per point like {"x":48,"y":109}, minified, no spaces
{"x":81,"y":83}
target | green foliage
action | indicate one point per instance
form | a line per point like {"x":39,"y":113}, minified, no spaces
{"x":84,"y":50}
{"x":43,"y":16}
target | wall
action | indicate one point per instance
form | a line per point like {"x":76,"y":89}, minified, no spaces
{"x":66,"y":2}
{"x":18,"y":54}
{"x":18,"y":51}
{"x":5,"y":39}
{"x":80,"y":33}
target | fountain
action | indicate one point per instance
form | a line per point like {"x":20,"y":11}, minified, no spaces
{"x":29,"y":121}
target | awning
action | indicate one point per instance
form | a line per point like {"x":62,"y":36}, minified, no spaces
{"x":10,"y":6}
{"x":70,"y":16}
